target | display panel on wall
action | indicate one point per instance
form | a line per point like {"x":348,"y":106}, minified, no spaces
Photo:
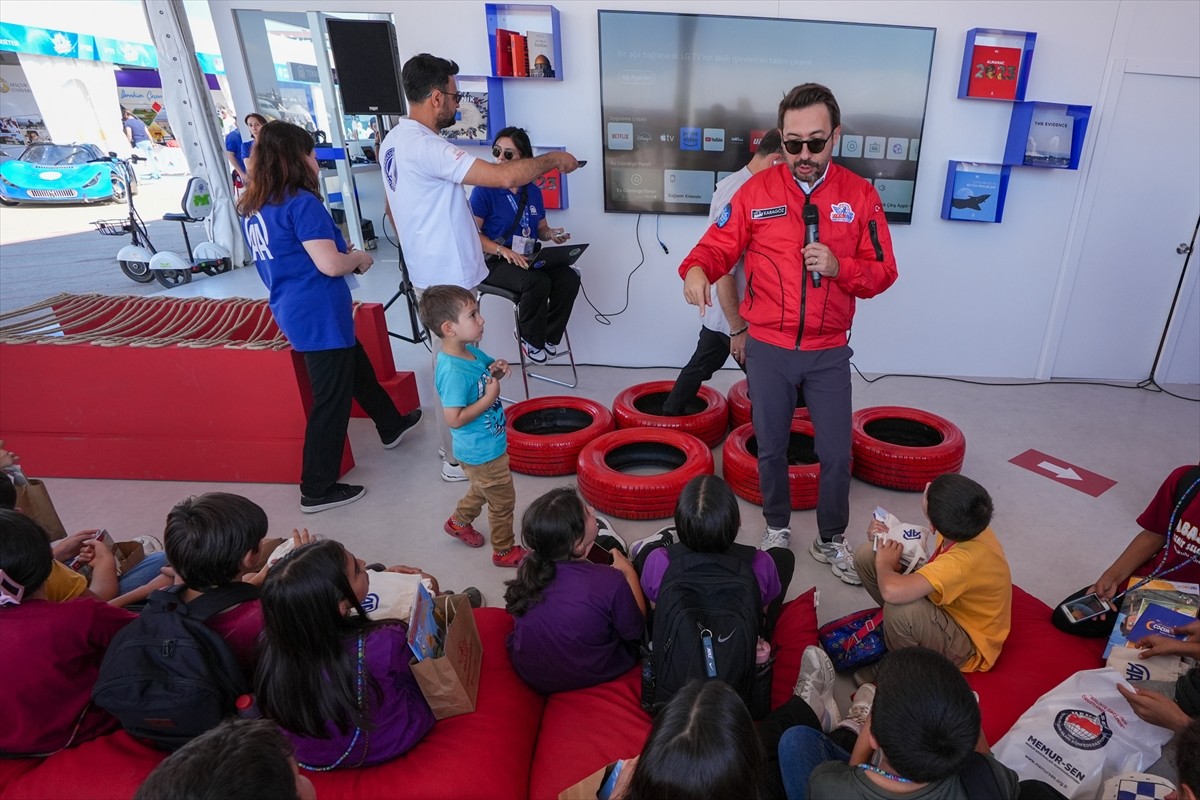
{"x":686,"y":97}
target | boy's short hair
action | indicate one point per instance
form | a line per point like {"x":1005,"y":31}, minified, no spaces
{"x":441,"y":304}
{"x":241,"y":759}
{"x":25,"y":554}
{"x":958,"y":507}
{"x":707,"y":516}
{"x":925,"y":718}
{"x":207,"y":536}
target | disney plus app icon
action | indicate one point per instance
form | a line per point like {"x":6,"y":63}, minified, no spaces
{"x":689,"y":139}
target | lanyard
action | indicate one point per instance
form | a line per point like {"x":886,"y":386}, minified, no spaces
{"x":1158,"y":571}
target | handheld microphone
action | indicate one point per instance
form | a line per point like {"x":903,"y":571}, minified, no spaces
{"x":810,"y":217}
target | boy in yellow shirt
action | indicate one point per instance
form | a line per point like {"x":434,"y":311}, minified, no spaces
{"x":960,"y":602}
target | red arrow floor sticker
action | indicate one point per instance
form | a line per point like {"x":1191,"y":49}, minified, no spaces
{"x":1064,"y":472}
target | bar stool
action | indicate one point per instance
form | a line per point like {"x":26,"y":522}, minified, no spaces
{"x":526,"y":371}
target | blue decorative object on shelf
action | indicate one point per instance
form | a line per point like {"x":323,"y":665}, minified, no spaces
{"x":975,"y":192}
{"x":1046,"y":135}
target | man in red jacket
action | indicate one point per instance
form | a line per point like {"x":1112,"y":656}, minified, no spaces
{"x":799,"y":303}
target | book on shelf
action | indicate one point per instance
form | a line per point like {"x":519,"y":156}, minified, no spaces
{"x":995,"y":67}
{"x":1180,"y":597}
{"x":504,"y":62}
{"x":1050,"y":133}
{"x":550,"y":184}
{"x":520,"y":56}
{"x":976,"y":192}
{"x":541,"y":54}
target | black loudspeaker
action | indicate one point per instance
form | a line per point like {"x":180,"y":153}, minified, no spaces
{"x":368,"y":66}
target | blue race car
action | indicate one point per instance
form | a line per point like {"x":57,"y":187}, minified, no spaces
{"x":65,"y":173}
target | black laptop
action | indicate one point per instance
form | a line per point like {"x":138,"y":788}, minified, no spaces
{"x":561,"y":255}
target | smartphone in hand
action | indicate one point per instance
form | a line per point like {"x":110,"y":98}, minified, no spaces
{"x":598,"y":555}
{"x":1087,"y":607}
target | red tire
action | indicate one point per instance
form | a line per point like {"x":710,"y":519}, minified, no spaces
{"x":739,"y":463}
{"x":546,"y":434}
{"x":740,"y":407}
{"x":608,"y":488}
{"x":904,"y":448}
{"x":640,"y":406}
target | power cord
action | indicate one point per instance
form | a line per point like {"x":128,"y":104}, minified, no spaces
{"x":1148,"y":385}
{"x":604,"y":317}
{"x":657,"y":222}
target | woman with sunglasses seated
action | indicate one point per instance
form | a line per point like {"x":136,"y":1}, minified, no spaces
{"x":512,"y":224}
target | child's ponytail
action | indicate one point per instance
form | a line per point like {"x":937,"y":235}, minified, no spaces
{"x":551,"y":528}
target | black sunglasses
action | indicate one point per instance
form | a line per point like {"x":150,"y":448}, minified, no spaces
{"x":794,"y":146}
{"x":508,"y":154}
{"x":458,"y":96}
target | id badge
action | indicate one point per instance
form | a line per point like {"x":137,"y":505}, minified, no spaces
{"x":522,"y":245}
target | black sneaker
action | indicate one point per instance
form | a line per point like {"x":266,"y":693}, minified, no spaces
{"x":340,"y":495}
{"x":408,"y":422}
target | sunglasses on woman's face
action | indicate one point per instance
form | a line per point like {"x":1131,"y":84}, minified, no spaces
{"x":509,"y":155}
{"x":815,"y":146}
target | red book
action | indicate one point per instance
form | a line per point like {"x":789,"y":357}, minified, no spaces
{"x":520,"y":56}
{"x":994,"y":72}
{"x":504,"y":63}
{"x":549,"y":184}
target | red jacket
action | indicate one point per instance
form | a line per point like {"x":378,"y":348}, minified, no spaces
{"x":764,"y":221}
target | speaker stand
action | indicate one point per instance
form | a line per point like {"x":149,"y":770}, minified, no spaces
{"x":417,"y":332}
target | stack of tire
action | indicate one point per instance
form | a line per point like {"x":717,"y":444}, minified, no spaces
{"x":740,"y":408}
{"x":546,"y":434}
{"x":739,"y":462}
{"x":904,"y":448}
{"x":608,"y":470}
{"x":640,"y":406}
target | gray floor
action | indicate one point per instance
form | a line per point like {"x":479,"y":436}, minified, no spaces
{"x":1057,"y":538}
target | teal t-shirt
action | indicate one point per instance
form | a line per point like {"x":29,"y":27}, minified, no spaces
{"x":460,"y":382}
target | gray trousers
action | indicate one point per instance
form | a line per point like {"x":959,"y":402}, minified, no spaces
{"x":773,"y":374}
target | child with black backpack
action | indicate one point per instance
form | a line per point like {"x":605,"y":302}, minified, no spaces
{"x":715,"y":602}
{"x":52,"y":651}
{"x":577,"y":623}
{"x":338,"y":683}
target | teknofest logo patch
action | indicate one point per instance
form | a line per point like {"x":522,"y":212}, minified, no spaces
{"x":841,"y":212}
{"x":1082,"y":729}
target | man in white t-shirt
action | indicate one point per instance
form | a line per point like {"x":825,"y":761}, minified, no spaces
{"x":423,"y":177}
{"x":724,"y":334}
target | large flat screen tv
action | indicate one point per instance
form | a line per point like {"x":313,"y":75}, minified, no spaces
{"x":685,"y":98}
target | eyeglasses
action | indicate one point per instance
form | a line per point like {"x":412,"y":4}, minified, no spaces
{"x":458,"y":96}
{"x":509,"y":155}
{"x":794,"y":146}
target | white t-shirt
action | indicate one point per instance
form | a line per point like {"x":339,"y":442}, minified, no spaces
{"x":714,"y":318}
{"x":422,"y":177}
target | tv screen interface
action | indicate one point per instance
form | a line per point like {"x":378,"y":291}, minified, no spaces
{"x":685,"y":99}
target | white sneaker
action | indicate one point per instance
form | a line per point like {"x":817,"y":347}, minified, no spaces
{"x":831,"y":552}
{"x":776,"y":537}
{"x":665,"y":535}
{"x":856,"y":714}
{"x":815,"y":686}
{"x":452,"y":472}
{"x":843,"y":566}
{"x":605,"y":528}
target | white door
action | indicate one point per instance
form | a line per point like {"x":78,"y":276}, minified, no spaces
{"x":1147,"y":202}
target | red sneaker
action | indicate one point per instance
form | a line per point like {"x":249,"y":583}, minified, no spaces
{"x":511,"y":557}
{"x":464,"y":532}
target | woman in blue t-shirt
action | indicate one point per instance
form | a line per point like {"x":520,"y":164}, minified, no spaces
{"x":304,"y":261}
{"x":512,"y":224}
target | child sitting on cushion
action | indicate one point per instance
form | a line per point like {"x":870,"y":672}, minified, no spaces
{"x":960,"y":602}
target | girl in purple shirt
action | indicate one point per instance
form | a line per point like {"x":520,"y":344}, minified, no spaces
{"x":577,"y":623}
{"x":338,"y":684}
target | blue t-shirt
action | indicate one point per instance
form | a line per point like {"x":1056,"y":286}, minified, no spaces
{"x":460,"y":382}
{"x":137,"y":130}
{"x":233,"y":144}
{"x":498,"y":208}
{"x":313,"y":309}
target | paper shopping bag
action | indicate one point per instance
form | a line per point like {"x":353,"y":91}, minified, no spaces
{"x":33,"y":498}
{"x":450,"y":682}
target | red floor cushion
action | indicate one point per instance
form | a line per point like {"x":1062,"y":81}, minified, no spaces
{"x":1036,"y":658}
{"x":588,"y":728}
{"x":483,"y":754}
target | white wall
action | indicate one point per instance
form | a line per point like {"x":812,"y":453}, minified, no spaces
{"x":972,"y":299}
